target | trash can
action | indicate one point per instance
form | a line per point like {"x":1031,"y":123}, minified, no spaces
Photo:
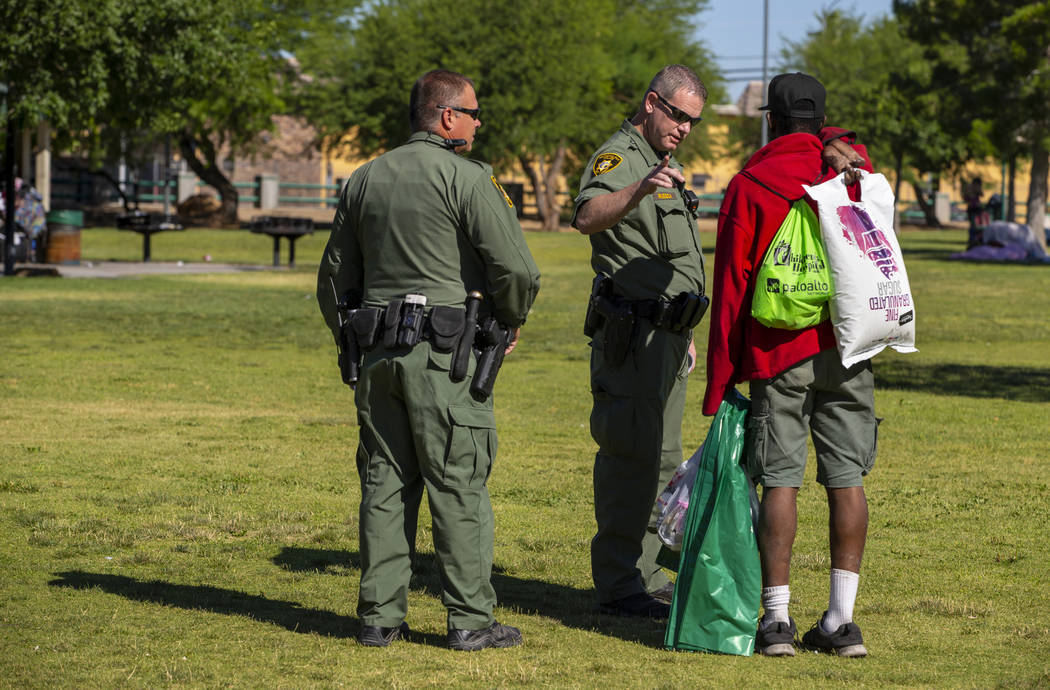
{"x":63,"y":236}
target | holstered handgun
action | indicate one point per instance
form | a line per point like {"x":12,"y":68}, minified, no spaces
{"x":600,"y":287}
{"x":346,"y":343}
{"x":492,"y":339}
{"x":348,"y":353}
{"x":619,"y":329}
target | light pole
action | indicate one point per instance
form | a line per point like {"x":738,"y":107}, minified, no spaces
{"x":765,"y":64}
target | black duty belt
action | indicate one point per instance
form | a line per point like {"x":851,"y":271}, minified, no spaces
{"x":677,"y":316}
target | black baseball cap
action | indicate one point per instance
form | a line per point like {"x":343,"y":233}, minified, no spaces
{"x":796,"y":95}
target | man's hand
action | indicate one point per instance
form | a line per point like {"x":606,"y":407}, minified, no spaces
{"x":513,"y":341}
{"x":840,"y":157}
{"x":662,"y":175}
{"x":606,"y":210}
{"x":692,"y":355}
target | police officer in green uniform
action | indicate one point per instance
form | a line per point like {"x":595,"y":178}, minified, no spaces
{"x":647,"y":297}
{"x":416,"y":231}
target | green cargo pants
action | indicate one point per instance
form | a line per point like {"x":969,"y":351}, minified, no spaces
{"x":419,"y":429}
{"x":636,"y":421}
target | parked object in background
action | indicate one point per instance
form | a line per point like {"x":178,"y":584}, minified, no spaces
{"x":1002,"y":240}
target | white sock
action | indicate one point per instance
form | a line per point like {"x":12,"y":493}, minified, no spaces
{"x":840,"y":602}
{"x":775,"y":603}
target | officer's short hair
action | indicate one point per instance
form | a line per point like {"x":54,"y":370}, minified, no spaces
{"x":673,"y":78}
{"x":436,"y":87}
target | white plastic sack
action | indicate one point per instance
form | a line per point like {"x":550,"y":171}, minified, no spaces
{"x":673,"y":502}
{"x":871,"y":302}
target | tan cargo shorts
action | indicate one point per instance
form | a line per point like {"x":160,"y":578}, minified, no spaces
{"x":818,"y":397}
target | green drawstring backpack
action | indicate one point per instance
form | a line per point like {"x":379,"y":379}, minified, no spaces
{"x":793,"y":285}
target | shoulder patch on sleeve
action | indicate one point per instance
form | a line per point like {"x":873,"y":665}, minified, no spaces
{"x":502,"y":191}
{"x":606,"y":162}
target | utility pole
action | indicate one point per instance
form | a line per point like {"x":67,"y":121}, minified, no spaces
{"x":765,"y":66}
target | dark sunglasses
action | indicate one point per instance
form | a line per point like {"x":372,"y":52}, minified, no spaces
{"x":677,"y":115}
{"x":473,"y":112}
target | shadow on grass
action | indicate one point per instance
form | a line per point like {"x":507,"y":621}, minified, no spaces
{"x":975,"y":381}
{"x":575,"y":608}
{"x":287,"y":614}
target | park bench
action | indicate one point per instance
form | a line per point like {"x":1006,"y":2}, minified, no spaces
{"x":147,"y":225}
{"x":278,"y":227}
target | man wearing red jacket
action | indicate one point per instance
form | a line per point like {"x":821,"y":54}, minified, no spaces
{"x":797,"y":382}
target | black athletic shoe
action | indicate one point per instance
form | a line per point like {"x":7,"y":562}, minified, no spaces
{"x":641,"y":605}
{"x":377,"y":636}
{"x":664,"y":594}
{"x":846,"y":641}
{"x":777,"y":639}
{"x":496,"y":635}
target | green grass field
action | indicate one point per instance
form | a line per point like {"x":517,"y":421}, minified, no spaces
{"x":178,"y":497}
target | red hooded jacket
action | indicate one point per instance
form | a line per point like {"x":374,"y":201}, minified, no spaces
{"x":757,"y":200}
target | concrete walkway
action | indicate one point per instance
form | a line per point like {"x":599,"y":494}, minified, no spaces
{"x":124,"y":269}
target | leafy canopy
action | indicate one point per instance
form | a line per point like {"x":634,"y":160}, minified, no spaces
{"x":548,"y":73}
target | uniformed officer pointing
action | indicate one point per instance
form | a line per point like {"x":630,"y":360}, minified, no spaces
{"x":647,"y":297}
{"x":425,"y":282}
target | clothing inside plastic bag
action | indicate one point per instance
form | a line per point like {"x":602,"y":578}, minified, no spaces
{"x":674,"y":502}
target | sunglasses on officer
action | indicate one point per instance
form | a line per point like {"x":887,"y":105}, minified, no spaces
{"x":679,"y":116}
{"x":473,"y":112}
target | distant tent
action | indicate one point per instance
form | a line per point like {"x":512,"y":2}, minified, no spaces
{"x":1002,"y":240}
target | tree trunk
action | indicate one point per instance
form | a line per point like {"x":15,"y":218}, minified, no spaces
{"x":927,"y":207}
{"x":200,"y":155}
{"x":544,"y":178}
{"x":537,"y":184}
{"x":550,"y":184}
{"x":1036,"y":215}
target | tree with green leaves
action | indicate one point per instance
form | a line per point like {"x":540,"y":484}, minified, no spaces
{"x":196,"y":72}
{"x":110,"y":75}
{"x":553,"y":78}
{"x":991,"y":60}
{"x":53,"y":59}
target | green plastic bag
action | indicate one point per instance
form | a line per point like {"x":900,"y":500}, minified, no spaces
{"x":719,"y":586}
{"x":793,"y":285}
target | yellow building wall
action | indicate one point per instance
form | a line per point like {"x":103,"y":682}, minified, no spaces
{"x":721,"y":168}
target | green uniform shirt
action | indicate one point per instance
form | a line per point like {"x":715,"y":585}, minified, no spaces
{"x":422,"y":219}
{"x":654,"y":251}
